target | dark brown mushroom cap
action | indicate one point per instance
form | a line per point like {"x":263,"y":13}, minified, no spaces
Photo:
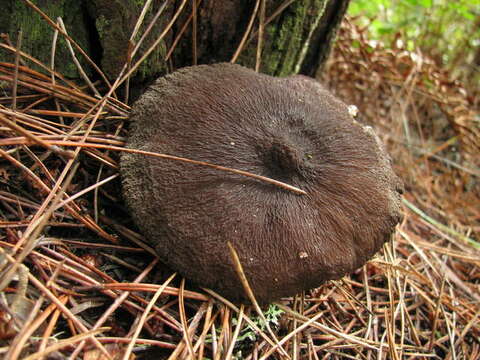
{"x":289,"y":129}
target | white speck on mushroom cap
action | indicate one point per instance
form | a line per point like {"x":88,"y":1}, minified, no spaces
{"x":352,"y":110}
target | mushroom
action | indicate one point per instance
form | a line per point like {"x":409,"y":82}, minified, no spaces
{"x":288,"y":129}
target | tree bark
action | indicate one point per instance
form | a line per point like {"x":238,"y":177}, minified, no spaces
{"x":37,"y":34}
{"x":297,"y":35}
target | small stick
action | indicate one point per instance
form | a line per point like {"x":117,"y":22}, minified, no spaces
{"x":194,"y":31}
{"x":15,"y":76}
{"x":246,"y":286}
{"x":82,"y":72}
{"x":180,"y":34}
{"x":67,"y":342}
{"x":183,"y":318}
{"x":86,"y":190}
{"x":235,"y":333}
{"x":246,"y":34}
{"x":57,"y":150}
{"x":177,"y":158}
{"x":261,"y":28}
{"x":144,"y":316}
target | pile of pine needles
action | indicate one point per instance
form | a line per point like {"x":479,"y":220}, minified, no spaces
{"x":78,"y":281}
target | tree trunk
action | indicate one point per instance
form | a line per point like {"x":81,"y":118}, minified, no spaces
{"x":296,"y":37}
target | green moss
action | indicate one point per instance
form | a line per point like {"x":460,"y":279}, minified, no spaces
{"x":102,"y":24}
{"x":140,"y":3}
{"x":38,"y":34}
{"x":290,"y":40}
{"x":285,"y":38}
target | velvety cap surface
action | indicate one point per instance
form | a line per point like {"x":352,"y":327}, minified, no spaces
{"x":291,"y":130}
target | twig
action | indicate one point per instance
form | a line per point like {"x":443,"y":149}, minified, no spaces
{"x":261,"y":29}
{"x":15,"y":76}
{"x":247,"y":33}
{"x":248,"y":290}
{"x":143,"y":318}
{"x":194,"y":162}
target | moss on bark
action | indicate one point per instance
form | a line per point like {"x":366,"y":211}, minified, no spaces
{"x":37,"y":35}
{"x":287,"y":37}
{"x":296,"y":40}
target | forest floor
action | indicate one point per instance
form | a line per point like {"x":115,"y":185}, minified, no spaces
{"x":78,"y":280}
